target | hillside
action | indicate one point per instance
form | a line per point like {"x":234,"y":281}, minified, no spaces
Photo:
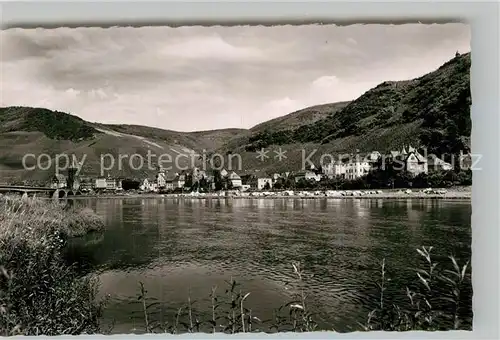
{"x":251,"y":138}
{"x":53,"y":124}
{"x":199,"y":140}
{"x":432,"y":111}
{"x":41,"y":131}
{"x":298,"y":118}
{"x":37,"y":131}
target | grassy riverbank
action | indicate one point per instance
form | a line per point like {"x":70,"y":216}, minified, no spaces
{"x":39,"y":292}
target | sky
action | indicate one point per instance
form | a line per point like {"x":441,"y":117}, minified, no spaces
{"x":202,"y":78}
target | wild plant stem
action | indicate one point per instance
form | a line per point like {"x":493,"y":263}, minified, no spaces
{"x":213,"y":308}
{"x":190,"y":315}
{"x":177,"y":319}
{"x":242,"y":312}
{"x":382,"y":286}
{"x":144,"y":307}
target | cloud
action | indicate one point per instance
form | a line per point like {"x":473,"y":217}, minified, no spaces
{"x":352,"y":41}
{"x":273,"y":109}
{"x":212,"y":48}
{"x":327,"y":89}
{"x":193,"y":78}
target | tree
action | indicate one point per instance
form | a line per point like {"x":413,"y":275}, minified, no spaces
{"x":421,"y":181}
{"x":129,"y":184}
{"x":188,"y":182}
{"x":465,"y":177}
{"x":203,"y":184}
{"x":228,"y":184}
{"x":279,"y":184}
{"x":217,"y":180}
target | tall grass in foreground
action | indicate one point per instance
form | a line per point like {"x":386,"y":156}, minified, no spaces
{"x":39,"y":292}
{"x":229,"y":313}
{"x":434,"y":303}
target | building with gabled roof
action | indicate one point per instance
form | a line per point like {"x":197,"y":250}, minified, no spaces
{"x":234,"y":179}
{"x":411,"y":161}
{"x":59,"y":181}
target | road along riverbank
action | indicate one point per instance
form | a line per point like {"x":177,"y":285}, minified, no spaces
{"x":464,"y":193}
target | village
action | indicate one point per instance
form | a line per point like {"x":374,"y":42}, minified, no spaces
{"x":340,"y":174}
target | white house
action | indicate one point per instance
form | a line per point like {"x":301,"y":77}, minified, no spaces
{"x":356,"y":168}
{"x":144,"y":185}
{"x":411,"y":161}
{"x":263,"y":181}
{"x":58,"y":181}
{"x":149,"y":185}
{"x":110,"y":184}
{"x":179,"y":181}
{"x":100,"y":183}
{"x":307,"y":175}
{"x":335,"y":169}
{"x":235,"y":180}
{"x":161,"y":179}
{"x":352,"y":168}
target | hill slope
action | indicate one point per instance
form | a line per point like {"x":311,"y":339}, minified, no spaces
{"x":431,"y":112}
{"x":298,"y":118}
{"x":27,"y":130}
{"x":38,"y":131}
{"x":53,"y":124}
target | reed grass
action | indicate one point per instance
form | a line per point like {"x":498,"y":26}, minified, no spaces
{"x":434,"y":303}
{"x":41,"y":294}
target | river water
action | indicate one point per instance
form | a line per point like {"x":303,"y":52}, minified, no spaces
{"x":180,"y":248}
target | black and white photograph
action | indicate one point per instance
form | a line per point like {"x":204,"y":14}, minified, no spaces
{"x":236,"y":179}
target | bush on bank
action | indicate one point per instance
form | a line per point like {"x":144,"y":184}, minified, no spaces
{"x":39,"y":292}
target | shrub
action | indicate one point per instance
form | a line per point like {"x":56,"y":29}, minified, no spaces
{"x":39,"y":292}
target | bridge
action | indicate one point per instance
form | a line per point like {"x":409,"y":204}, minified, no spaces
{"x":31,"y":190}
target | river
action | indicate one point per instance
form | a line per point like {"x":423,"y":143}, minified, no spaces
{"x":181,"y":248}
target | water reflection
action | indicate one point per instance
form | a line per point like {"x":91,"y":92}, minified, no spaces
{"x":172,"y":245}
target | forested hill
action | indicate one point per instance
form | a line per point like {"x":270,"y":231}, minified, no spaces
{"x":434,"y":110}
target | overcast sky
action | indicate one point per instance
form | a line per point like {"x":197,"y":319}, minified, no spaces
{"x":201,"y":78}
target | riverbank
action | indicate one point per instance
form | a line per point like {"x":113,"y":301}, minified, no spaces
{"x":459,"y":193}
{"x":41,"y":293}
